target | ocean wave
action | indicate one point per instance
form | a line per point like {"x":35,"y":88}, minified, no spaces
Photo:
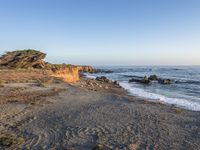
{"x":132,"y":76}
{"x":176,"y":101}
{"x":89,"y":76}
{"x":187,"y":82}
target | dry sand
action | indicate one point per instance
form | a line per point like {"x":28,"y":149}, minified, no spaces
{"x":91,"y":116}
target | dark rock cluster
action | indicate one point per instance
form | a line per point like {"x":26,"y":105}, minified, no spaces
{"x":164,"y":81}
{"x":144,"y":80}
{"x":106,"y":80}
{"x":103,"y":79}
{"x":148,"y":80}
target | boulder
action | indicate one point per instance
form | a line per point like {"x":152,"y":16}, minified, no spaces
{"x":115,"y":83}
{"x":153,"y":78}
{"x":147,"y":80}
{"x":103,"y":79}
{"x":144,"y":80}
{"x":164,"y":81}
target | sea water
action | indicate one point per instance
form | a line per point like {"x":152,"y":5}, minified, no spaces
{"x":183,"y":92}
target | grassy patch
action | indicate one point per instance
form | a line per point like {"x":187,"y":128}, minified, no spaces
{"x":8,"y":141}
{"x":45,"y":82}
{"x":178,"y":110}
{"x":31,"y":51}
{"x":42,"y":84}
{"x":61,"y":66}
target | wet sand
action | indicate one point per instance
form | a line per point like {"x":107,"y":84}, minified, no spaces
{"x":91,"y":115}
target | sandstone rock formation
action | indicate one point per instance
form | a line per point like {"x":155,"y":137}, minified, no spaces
{"x":68,"y":73}
{"x":85,"y":69}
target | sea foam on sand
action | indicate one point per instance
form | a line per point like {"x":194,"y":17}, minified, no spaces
{"x":152,"y":96}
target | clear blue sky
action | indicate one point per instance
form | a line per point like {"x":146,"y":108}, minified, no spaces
{"x":104,"y":32}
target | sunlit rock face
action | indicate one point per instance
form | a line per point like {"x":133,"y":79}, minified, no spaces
{"x":68,"y":74}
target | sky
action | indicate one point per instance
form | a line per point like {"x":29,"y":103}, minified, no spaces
{"x":104,"y":32}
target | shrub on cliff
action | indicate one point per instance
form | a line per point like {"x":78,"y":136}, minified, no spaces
{"x":61,"y":66}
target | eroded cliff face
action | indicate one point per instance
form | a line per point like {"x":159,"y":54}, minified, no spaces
{"x":71,"y":74}
{"x":68,"y":74}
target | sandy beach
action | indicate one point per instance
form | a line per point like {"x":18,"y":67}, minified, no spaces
{"x":91,"y":115}
{"x":100,"y":75}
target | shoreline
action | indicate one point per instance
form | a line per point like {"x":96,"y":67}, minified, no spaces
{"x":91,"y":114}
{"x":125,"y":92}
{"x":154,"y":97}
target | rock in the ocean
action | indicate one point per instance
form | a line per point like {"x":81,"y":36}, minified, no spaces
{"x":153,"y":77}
{"x":147,"y":80}
{"x":115,"y":83}
{"x":164,"y":81}
{"x":144,"y":80}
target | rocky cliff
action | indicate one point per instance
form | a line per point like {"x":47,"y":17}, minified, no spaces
{"x":23,"y":59}
{"x":85,"y":69}
{"x":34,"y":59}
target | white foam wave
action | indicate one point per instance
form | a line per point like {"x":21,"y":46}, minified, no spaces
{"x":178,"y":102}
{"x":89,"y":76}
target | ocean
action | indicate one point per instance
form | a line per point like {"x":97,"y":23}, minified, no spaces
{"x":183,"y":92}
